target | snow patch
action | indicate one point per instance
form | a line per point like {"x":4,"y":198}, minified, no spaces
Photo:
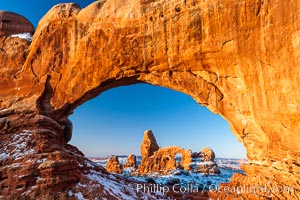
{"x":26,"y":36}
{"x":113,"y":186}
{"x":184,"y":178}
{"x":18,"y":147}
{"x":79,"y":196}
{"x":41,"y":160}
{"x":203,"y":163}
{"x":3,"y":156}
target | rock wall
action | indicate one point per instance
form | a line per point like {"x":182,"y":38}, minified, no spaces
{"x":241,"y":59}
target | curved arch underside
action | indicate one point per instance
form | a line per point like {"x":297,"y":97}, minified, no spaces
{"x":240,"y":59}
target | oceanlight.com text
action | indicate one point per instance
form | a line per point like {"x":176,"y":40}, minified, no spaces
{"x":252,"y":189}
{"x":243,"y":189}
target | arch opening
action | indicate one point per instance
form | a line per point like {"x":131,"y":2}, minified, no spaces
{"x":184,"y":49}
{"x":136,"y":101}
{"x":120,"y":115}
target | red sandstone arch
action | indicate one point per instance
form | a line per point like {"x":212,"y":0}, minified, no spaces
{"x":240,"y":59}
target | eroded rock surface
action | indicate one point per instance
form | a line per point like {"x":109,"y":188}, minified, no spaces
{"x":37,"y":163}
{"x":149,"y":144}
{"x":241,"y":59}
{"x":130,"y":162}
{"x":207,"y":154}
{"x":203,"y":162}
{"x":113,"y":165}
{"x":155,"y":159}
{"x":164,"y":159}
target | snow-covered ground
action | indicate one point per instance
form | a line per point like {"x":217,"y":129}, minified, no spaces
{"x":26,"y":36}
{"x":184,"y":178}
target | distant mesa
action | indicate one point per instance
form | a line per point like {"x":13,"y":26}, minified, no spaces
{"x":164,"y":161}
{"x":12,"y":23}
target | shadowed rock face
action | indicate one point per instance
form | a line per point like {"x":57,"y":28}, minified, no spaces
{"x":12,"y":23}
{"x":241,"y":59}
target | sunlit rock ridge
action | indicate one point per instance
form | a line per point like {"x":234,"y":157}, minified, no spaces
{"x":241,"y":59}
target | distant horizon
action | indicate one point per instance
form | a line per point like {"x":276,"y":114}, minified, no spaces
{"x":114,"y":123}
{"x":105,"y":157}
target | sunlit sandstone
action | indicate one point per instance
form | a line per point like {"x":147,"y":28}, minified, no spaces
{"x":241,"y":59}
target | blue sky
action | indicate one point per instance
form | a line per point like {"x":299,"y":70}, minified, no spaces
{"x":34,"y":10}
{"x":114,"y":122}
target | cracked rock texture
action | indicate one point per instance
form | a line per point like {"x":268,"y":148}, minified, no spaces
{"x":241,"y":59}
